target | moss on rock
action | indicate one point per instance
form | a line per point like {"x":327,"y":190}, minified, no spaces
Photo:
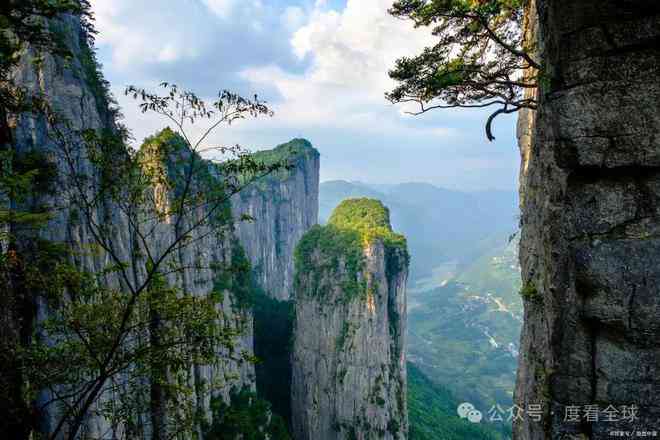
{"x":529,"y":292}
{"x":336,"y":251}
{"x":370,"y":218}
{"x":288,"y":151}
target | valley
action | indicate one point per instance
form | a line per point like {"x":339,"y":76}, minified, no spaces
{"x":464,"y":309}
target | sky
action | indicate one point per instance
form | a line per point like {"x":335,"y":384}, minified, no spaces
{"x":322,"y":66}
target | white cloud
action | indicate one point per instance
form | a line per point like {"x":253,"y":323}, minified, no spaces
{"x":168,"y":53}
{"x":351,"y":52}
{"x":122,"y":27}
{"x":222,"y":8}
{"x":141,"y":32}
{"x":325,"y":71}
{"x":293,"y":17}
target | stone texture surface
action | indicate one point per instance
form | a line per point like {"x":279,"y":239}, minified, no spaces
{"x":349,"y":370}
{"x":590,"y":203}
{"x":67,"y":88}
{"x":283,"y":207}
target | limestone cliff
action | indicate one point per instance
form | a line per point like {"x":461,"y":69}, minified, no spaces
{"x":349,"y":374}
{"x":590,"y":192}
{"x":283,"y":207}
{"x":72,"y":89}
{"x":75,"y":90}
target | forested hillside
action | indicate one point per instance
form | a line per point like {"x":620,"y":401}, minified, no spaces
{"x":433,"y":416}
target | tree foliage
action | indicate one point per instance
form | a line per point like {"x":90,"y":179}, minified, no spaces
{"x":335,"y":251}
{"x":132,"y":326}
{"x":122,"y":316}
{"x":478,"y":60}
{"x":369,"y":217}
{"x":432,"y":413}
{"x":246,"y":417}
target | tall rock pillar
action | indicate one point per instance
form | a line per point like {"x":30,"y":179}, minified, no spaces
{"x":349,"y":371}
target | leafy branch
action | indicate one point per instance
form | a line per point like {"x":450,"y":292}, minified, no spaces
{"x":479,"y":60}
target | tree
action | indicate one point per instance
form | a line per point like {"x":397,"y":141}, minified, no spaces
{"x":23,"y":24}
{"x":131,"y":327}
{"x":118,"y":315}
{"x":246,"y":417}
{"x":479,"y":60}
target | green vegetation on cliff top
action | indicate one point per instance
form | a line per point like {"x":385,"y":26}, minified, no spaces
{"x":354,"y":224}
{"x":370,"y":218}
{"x":286,"y":157}
{"x":164,"y":141}
{"x":165,"y":159}
{"x":290,"y":150}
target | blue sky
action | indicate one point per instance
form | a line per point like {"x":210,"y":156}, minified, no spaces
{"x":322,"y":66}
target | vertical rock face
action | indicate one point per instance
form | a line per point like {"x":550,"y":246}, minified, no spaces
{"x":349,"y":376}
{"x":283,"y":207}
{"x":73,"y":93}
{"x":590,"y":192}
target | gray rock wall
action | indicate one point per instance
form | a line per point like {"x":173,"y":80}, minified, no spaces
{"x":284,"y":206}
{"x":69,"y":90}
{"x":590,"y":198}
{"x":349,"y":370}
{"x":287,"y":204}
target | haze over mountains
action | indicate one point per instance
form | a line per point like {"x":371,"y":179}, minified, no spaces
{"x":464,"y":310}
{"x":441,"y":225}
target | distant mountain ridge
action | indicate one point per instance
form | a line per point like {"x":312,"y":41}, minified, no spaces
{"x":441,"y":225}
{"x":464,"y":310}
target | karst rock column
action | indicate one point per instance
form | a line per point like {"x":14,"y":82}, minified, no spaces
{"x":349,"y":370}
